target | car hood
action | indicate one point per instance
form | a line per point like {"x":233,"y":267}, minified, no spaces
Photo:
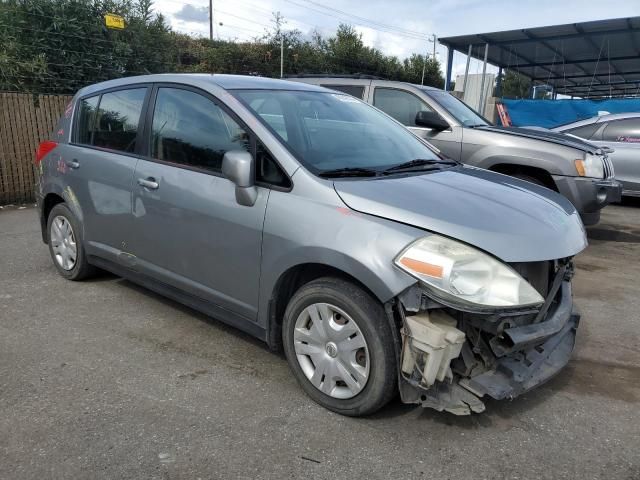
{"x":514,"y":220}
{"x":544,"y":135}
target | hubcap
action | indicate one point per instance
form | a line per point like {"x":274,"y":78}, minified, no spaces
{"x":331,"y":350}
{"x":63,"y":243}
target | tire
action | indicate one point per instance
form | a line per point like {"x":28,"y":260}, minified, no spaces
{"x":345,"y":303}
{"x":80,"y":268}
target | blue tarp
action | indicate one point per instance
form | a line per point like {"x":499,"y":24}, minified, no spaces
{"x":551,"y":113}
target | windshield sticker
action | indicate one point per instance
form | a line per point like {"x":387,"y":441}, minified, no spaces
{"x":345,"y":98}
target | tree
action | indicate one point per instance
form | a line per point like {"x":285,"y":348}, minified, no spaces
{"x":515,"y":85}
{"x":60,"y":46}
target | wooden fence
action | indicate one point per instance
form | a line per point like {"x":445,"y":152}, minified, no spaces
{"x":25,"y":120}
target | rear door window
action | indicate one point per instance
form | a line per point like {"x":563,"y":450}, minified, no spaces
{"x":86,"y":120}
{"x":354,"y":90}
{"x":626,"y":131}
{"x":401,"y":105}
{"x":118,"y":119}
{"x":189,"y":129}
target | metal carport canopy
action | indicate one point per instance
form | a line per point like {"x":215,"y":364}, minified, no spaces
{"x":588,"y":59}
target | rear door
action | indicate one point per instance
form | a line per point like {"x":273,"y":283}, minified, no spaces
{"x":404,"y":105}
{"x":188,"y":231}
{"x":624,"y":137}
{"x":99,"y":164}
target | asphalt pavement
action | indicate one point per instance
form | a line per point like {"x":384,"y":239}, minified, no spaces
{"x":104,"y":379}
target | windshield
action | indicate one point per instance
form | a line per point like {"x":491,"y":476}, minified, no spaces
{"x":458,"y":109}
{"x":333,"y":131}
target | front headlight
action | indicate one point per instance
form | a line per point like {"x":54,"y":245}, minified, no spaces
{"x":456,"y":272}
{"x":591,"y":166}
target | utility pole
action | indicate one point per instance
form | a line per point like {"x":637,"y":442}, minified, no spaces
{"x":281,"y":55}
{"x":210,"y":19}
{"x":433,"y":39}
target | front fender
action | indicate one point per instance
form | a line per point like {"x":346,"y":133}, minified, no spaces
{"x":486,"y":152}
{"x":549,"y":165}
{"x":360,"y":245}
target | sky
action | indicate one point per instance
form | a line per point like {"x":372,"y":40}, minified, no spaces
{"x":399,"y":28}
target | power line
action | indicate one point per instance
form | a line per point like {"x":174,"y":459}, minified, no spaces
{"x":367,"y":20}
{"x":381,"y":27}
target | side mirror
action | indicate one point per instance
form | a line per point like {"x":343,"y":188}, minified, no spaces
{"x":432,"y":120}
{"x":238,"y":167}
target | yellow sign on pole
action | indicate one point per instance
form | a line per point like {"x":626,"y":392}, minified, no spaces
{"x":112,"y":20}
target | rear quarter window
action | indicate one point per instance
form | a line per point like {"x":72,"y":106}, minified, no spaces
{"x":85,"y":124}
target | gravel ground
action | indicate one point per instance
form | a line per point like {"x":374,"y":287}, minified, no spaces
{"x":104,"y":379}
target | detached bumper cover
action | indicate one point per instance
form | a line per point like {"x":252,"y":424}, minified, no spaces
{"x":530,"y":354}
{"x":516,"y":374}
{"x":506,"y":363}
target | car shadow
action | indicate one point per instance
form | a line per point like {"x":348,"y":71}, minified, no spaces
{"x":607,"y":232}
{"x":216,"y":323}
{"x":500,"y":413}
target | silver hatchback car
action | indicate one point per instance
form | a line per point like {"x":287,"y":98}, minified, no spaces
{"x":322,"y":226}
{"x":620,"y":133}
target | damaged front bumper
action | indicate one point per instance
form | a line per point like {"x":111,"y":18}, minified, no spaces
{"x":503,"y":355}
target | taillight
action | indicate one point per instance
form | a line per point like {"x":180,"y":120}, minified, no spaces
{"x":43,"y":149}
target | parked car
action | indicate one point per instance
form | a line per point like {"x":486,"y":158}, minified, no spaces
{"x":322,"y":226}
{"x":576,"y":169}
{"x":621,"y":133}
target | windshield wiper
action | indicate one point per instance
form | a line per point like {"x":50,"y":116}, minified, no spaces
{"x":419,"y":164}
{"x":349,"y":172}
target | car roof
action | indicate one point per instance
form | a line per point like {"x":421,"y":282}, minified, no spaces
{"x":597,"y":119}
{"x":355,"y":80}
{"x":617,"y":116}
{"x":227,"y":82}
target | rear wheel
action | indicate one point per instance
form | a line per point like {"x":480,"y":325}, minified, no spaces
{"x":65,"y":244}
{"x":338,"y":344}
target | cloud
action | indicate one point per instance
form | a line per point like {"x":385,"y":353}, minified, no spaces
{"x":189,"y":13}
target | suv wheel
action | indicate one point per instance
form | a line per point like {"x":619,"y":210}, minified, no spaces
{"x":65,"y":244}
{"x":338,"y":343}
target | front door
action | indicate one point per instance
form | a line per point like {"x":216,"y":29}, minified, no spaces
{"x":189,"y":231}
{"x":403,"y":106}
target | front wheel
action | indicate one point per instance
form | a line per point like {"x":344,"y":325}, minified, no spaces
{"x":339,"y":346}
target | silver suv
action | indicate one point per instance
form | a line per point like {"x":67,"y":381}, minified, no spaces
{"x":578,"y":170}
{"x":322,"y":226}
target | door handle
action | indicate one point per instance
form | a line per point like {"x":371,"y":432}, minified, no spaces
{"x":72,"y":163}
{"x":149,"y":183}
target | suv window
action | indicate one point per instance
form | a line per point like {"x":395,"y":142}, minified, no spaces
{"x":118,"y":119}
{"x":190,"y":129}
{"x":401,"y":105}
{"x":354,"y":90}
{"x":627,"y":130}
{"x":584,"y":131}
{"x":86,"y":120}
